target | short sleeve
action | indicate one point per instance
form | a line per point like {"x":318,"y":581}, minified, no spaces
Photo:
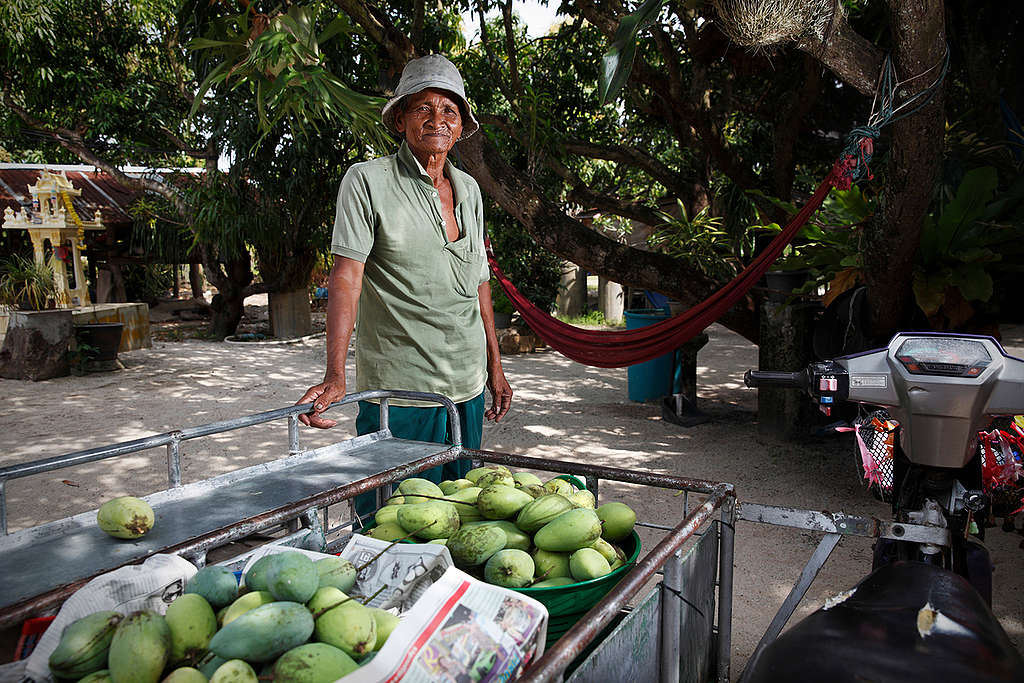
{"x":485,"y":269}
{"x":353,"y":217}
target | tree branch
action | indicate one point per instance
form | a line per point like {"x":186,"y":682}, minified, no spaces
{"x":72,"y":141}
{"x":380,"y":29}
{"x":510,"y":47}
{"x":848,"y":55}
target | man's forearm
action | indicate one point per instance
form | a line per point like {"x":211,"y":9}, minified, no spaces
{"x":343,"y":288}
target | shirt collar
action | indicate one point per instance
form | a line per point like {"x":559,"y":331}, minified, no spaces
{"x":409,"y":160}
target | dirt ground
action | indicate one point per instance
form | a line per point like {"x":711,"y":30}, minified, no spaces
{"x":562,"y":410}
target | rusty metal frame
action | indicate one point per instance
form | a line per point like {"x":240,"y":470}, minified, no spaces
{"x":173,"y":439}
{"x":720,"y":498}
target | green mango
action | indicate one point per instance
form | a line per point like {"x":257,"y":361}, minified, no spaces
{"x":499,"y":501}
{"x":471,"y":546}
{"x":523,"y":479}
{"x":243,"y":604}
{"x":256,"y":577}
{"x":432,"y":519}
{"x":514,"y":536}
{"x":557,"y":485}
{"x":474,"y":474}
{"x":264,"y":633}
{"x":582,"y":499}
{"x":325,"y":598}
{"x":570,"y":531}
{"x":389,"y":531}
{"x":125,"y":517}
{"x":350,"y":626}
{"x":540,"y":511}
{"x":386,"y":623}
{"x":555,"y":582}
{"x":336,"y":571}
{"x":216,"y":584}
{"x":83,"y":645}
{"x":313,"y":663}
{"x":388,"y":513}
{"x":139,"y":649}
{"x":503,"y":477}
{"x":234,"y":671}
{"x":415,"y":488}
{"x":586,"y":564}
{"x":450,"y":487}
{"x":550,"y":565}
{"x":509,"y":568}
{"x":617,"y":520}
{"x":293,"y":578}
{"x":192,"y":624}
{"x":185,"y":674}
{"x":101,"y":676}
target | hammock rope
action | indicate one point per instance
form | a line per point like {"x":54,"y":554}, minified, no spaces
{"x":621,"y":348}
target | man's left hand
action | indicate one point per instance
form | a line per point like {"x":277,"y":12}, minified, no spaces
{"x":501,"y":394}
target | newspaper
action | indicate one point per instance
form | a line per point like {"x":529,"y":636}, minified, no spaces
{"x":152,"y":585}
{"x":460,"y":629}
{"x":399,"y":575}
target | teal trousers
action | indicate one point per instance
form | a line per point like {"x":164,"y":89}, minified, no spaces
{"x":423,"y":424}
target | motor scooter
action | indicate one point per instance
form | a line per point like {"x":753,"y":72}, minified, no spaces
{"x":923,"y":613}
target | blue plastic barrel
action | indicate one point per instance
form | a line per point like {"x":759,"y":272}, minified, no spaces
{"x":654,"y":378}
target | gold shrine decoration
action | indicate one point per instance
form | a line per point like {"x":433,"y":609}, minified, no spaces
{"x":74,"y":216}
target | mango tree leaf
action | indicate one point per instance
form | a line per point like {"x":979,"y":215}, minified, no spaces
{"x":972,"y":196}
{"x":974,"y":283}
{"x":617,"y":62}
{"x":929,"y":292}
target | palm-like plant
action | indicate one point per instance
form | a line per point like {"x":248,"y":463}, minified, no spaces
{"x":27,"y":284}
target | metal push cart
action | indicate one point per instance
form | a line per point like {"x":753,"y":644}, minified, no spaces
{"x":678,"y":630}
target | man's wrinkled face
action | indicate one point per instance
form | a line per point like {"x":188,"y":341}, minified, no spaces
{"x":431,"y":122}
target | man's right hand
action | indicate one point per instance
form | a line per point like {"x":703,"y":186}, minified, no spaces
{"x":322,"y":396}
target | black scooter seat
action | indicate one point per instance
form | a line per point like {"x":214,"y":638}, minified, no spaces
{"x":906,"y":621}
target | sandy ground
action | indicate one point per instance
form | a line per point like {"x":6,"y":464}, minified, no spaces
{"x":562,"y":410}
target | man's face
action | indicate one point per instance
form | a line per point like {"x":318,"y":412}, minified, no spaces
{"x":430,"y":121}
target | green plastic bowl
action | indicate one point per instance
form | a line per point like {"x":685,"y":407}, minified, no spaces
{"x":567,"y":604}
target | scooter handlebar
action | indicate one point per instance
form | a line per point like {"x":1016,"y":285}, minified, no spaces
{"x":772,"y":378}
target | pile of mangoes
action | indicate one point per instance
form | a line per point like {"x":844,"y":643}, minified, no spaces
{"x":511,"y":529}
{"x":291,"y":621}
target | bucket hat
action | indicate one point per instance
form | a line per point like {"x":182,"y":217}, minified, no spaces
{"x":432,"y":71}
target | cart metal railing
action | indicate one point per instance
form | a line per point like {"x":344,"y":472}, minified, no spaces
{"x":664,"y":557}
{"x":172,"y":440}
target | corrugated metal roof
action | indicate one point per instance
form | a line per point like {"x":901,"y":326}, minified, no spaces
{"x":99,"y":189}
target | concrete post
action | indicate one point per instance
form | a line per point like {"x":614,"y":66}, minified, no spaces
{"x":289,"y":314}
{"x":610,"y":300}
{"x":572,"y":291}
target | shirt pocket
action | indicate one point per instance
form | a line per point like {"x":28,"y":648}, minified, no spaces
{"x":464,"y":262}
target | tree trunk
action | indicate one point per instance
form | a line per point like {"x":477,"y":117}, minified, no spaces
{"x":195,"y":280}
{"x":915,"y":157}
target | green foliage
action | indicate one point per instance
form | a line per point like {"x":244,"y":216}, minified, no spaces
{"x":26,"y":284}
{"x":618,"y":60}
{"x":534,"y":271}
{"x":830,"y":242}
{"x":590,"y":319}
{"x":699,"y":241}
{"x":278,"y":59}
{"x":147,"y":282}
{"x":964,"y":242}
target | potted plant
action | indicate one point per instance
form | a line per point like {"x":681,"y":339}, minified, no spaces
{"x":39,"y":335}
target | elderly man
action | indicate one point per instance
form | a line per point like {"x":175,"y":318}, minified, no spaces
{"x":409,"y":257}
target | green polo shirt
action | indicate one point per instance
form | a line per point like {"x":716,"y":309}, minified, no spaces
{"x":419,"y":326}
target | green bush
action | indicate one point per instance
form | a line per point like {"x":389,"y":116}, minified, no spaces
{"x":534,"y":271}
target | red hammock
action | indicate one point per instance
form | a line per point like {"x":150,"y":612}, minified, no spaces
{"x":616,"y":349}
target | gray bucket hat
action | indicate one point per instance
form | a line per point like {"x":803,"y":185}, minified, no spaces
{"x":432,"y":71}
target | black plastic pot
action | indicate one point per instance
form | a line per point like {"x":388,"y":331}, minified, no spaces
{"x":104,"y":337}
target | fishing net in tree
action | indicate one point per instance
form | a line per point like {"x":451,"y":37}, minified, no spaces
{"x":760,"y":24}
